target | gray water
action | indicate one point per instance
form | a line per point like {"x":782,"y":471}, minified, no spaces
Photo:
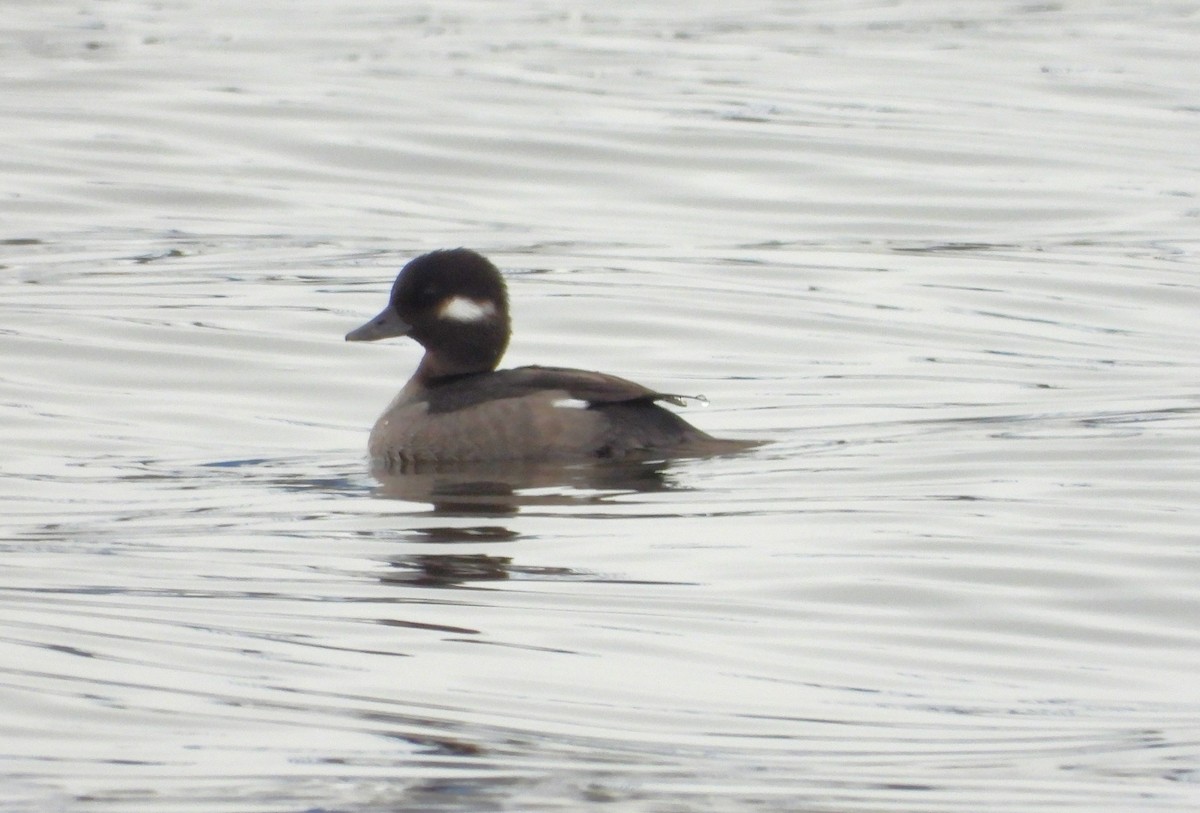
{"x":942,"y":256}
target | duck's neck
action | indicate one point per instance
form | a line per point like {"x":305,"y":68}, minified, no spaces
{"x":453,"y":349}
{"x":434,"y":366}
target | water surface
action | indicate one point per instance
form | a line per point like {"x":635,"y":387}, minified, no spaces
{"x":942,"y":257}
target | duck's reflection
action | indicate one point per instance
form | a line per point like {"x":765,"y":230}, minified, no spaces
{"x":456,"y":569}
{"x":503,"y":489}
{"x":498,"y":491}
{"x":446,"y":570}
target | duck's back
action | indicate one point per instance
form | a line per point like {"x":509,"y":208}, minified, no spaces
{"x":529,"y":413}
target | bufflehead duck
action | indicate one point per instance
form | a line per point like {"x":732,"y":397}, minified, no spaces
{"x":458,"y":408}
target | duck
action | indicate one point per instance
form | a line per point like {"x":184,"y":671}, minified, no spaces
{"x":459,"y":409}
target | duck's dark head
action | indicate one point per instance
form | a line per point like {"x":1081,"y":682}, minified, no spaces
{"x":455,"y":305}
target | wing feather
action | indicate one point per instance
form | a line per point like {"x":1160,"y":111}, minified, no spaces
{"x":460,"y":392}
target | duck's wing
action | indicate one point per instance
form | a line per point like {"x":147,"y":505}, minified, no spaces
{"x":592,"y":388}
{"x":616,"y":417}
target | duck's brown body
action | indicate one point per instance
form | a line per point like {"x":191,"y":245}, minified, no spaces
{"x":527,"y":413}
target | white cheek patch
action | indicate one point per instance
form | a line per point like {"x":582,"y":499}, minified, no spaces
{"x":465,"y":309}
{"x":570,"y":403}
